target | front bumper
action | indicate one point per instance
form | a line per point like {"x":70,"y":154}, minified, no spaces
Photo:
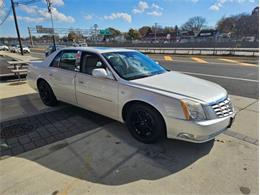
{"x":198,"y":131}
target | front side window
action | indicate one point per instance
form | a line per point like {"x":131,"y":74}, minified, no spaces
{"x":133,"y":65}
{"x":90,"y":62}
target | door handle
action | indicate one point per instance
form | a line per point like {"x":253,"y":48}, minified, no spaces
{"x":81,"y":82}
{"x":51,"y":74}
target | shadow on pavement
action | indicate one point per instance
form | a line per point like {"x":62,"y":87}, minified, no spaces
{"x":94,"y":148}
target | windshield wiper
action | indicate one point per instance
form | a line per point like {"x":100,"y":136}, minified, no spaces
{"x":140,"y":76}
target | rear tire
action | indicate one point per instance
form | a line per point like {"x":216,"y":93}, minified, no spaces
{"x":145,"y":123}
{"x":46,"y":94}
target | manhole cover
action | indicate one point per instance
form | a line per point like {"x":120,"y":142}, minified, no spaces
{"x":16,"y":130}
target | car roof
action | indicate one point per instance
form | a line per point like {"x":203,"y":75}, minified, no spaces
{"x":98,"y":49}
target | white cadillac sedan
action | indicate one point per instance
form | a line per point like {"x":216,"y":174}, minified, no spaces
{"x":129,"y":87}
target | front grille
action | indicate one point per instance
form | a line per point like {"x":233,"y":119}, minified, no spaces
{"x":223,"y":108}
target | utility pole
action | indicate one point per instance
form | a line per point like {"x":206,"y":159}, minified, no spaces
{"x":30,"y":36}
{"x":17,"y":28}
{"x":95,"y":27}
{"x":53,"y":33}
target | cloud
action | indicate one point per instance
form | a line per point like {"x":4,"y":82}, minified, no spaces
{"x":214,"y":7}
{"x":220,"y":3}
{"x":29,"y":9}
{"x":88,"y":17}
{"x":141,"y":7}
{"x":57,"y":2}
{"x":154,"y":13}
{"x":119,"y":15}
{"x":157,"y":7}
{"x":30,"y":19}
{"x":153,"y":9}
{"x":42,"y":14}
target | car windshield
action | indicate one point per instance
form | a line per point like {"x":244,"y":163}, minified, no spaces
{"x":133,"y":65}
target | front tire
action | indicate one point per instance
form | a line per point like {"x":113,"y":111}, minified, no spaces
{"x":46,"y":94}
{"x":145,"y":123}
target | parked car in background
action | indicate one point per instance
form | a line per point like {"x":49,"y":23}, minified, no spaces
{"x":25,"y":49}
{"x":12,"y":48}
{"x":129,"y":87}
{"x":4,"y":48}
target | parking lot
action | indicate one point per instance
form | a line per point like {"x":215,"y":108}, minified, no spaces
{"x":68,"y":150}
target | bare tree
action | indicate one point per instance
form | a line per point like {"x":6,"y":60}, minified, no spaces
{"x":194,"y":24}
{"x":240,"y":25}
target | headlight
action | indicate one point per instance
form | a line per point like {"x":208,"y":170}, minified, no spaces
{"x":192,"y":110}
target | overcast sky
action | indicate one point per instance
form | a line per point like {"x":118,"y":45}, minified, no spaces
{"x":121,"y":14}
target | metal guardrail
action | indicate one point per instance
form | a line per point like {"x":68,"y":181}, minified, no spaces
{"x":201,"y":51}
{"x":190,"y":51}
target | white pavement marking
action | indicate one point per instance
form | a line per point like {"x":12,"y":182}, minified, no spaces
{"x":219,"y":76}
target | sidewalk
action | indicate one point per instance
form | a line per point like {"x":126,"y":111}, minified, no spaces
{"x":18,"y":99}
{"x":18,"y":56}
{"x":79,"y":152}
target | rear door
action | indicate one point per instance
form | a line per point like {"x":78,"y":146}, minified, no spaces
{"x":62,"y":75}
{"x":96,"y":94}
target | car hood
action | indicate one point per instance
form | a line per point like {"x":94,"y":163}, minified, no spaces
{"x":181,"y":84}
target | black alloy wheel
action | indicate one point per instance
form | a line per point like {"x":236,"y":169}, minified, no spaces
{"x":46,"y":94}
{"x":145,"y":123}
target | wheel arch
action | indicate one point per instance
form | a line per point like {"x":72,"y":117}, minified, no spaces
{"x":133,"y":102}
{"x":40,"y":79}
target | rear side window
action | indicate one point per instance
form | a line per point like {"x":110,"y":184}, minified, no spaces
{"x":68,"y":60}
{"x":56,"y":61}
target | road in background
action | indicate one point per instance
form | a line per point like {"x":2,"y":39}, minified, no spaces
{"x":239,"y":75}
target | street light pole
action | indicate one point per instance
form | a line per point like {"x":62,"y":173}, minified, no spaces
{"x":95,"y":27}
{"x":52,"y":25}
{"x":155,"y":28}
{"x":17,"y":28}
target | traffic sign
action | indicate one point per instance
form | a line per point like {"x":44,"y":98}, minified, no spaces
{"x":105,"y":32}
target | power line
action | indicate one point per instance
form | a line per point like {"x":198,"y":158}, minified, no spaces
{"x":27,"y":2}
{"x":5,"y":16}
{"x":5,"y":12}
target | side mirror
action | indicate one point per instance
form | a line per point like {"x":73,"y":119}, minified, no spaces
{"x":101,"y":73}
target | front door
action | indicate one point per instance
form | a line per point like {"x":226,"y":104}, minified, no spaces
{"x":97,"y":94}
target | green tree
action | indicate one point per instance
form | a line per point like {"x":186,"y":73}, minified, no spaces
{"x":73,"y":36}
{"x":114,"y":32}
{"x":145,"y":30}
{"x":168,"y":29}
{"x":133,"y":34}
